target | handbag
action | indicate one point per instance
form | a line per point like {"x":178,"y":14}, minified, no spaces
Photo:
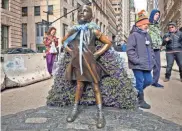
{"x":53,"y":49}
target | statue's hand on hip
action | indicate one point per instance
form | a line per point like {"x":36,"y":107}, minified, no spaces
{"x":96,"y":56}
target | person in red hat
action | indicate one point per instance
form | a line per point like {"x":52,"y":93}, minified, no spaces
{"x":141,"y":56}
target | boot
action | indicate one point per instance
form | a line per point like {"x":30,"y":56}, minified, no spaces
{"x":141,"y":101}
{"x":100,"y":117}
{"x":73,"y":114}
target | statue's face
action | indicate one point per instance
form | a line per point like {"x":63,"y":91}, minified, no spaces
{"x":84,"y":14}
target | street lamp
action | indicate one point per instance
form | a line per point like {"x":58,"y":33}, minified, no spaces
{"x":47,"y":22}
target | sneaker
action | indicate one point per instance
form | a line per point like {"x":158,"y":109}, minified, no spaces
{"x":166,"y":80}
{"x":157,"y":85}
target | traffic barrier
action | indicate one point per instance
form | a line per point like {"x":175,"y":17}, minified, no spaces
{"x":24,"y":69}
{"x":163,"y":60}
{"x":2,"y":78}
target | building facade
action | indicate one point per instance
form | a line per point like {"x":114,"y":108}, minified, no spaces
{"x":34,"y":18}
{"x":171,"y":10}
{"x":132,"y":14}
{"x":99,"y":15}
{"x":11,"y":32}
{"x":112,"y":29}
{"x":117,"y":8}
{"x":125,"y":18}
{"x":152,"y":4}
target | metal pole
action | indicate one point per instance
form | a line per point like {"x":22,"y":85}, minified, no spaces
{"x":47,"y":15}
{"x":89,"y":3}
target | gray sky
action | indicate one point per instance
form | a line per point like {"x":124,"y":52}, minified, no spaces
{"x":140,"y":4}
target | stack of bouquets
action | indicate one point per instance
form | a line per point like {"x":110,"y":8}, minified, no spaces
{"x":117,"y":89}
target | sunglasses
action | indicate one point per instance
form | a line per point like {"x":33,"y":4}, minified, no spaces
{"x":171,"y":27}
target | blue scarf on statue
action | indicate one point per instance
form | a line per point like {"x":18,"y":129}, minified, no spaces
{"x":84,"y":38}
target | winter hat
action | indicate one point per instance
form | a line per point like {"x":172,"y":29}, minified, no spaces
{"x":172,"y":23}
{"x":142,"y":18}
{"x":152,"y":14}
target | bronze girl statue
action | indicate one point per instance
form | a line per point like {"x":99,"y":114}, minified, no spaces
{"x":83,"y":66}
{"x":90,"y":70}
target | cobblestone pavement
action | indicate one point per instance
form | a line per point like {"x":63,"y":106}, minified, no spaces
{"x":53,"y":119}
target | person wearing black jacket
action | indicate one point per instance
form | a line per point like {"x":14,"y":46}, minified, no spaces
{"x":173,"y":42}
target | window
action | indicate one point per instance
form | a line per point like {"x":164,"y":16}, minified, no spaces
{"x":72,"y":16}
{"x":50,"y":9}
{"x":101,"y":26}
{"x":97,"y":21}
{"x":24,"y":35}
{"x":24,"y":11}
{"x":37,"y":10}
{"x":104,"y":29}
{"x":78,"y":5}
{"x":40,"y":30}
{"x":4,"y":36}
{"x":5,"y":4}
{"x":73,"y":3}
{"x":65,"y":12}
{"x":37,"y":30}
{"x":65,"y":28}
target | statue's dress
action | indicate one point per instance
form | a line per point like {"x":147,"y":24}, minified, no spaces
{"x":91,"y":68}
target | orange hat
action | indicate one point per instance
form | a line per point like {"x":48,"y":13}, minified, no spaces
{"x":142,"y":18}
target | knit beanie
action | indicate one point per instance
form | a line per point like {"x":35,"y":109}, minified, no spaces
{"x":172,"y":23}
{"x":142,"y":18}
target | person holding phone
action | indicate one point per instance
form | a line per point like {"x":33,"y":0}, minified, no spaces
{"x":173,"y":42}
{"x":51,"y":42}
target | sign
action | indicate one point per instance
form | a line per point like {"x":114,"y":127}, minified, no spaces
{"x":44,"y":22}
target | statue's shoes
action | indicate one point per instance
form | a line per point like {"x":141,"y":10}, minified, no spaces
{"x":72,"y":115}
{"x":100,"y":121}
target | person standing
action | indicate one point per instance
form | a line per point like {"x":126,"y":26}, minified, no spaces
{"x":123,"y":46}
{"x":49,"y":40}
{"x":154,"y":32}
{"x":141,"y":56}
{"x":173,"y":42}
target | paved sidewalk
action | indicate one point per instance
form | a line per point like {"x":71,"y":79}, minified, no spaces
{"x":53,"y":119}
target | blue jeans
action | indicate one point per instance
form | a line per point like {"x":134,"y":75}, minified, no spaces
{"x":143,"y":79}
